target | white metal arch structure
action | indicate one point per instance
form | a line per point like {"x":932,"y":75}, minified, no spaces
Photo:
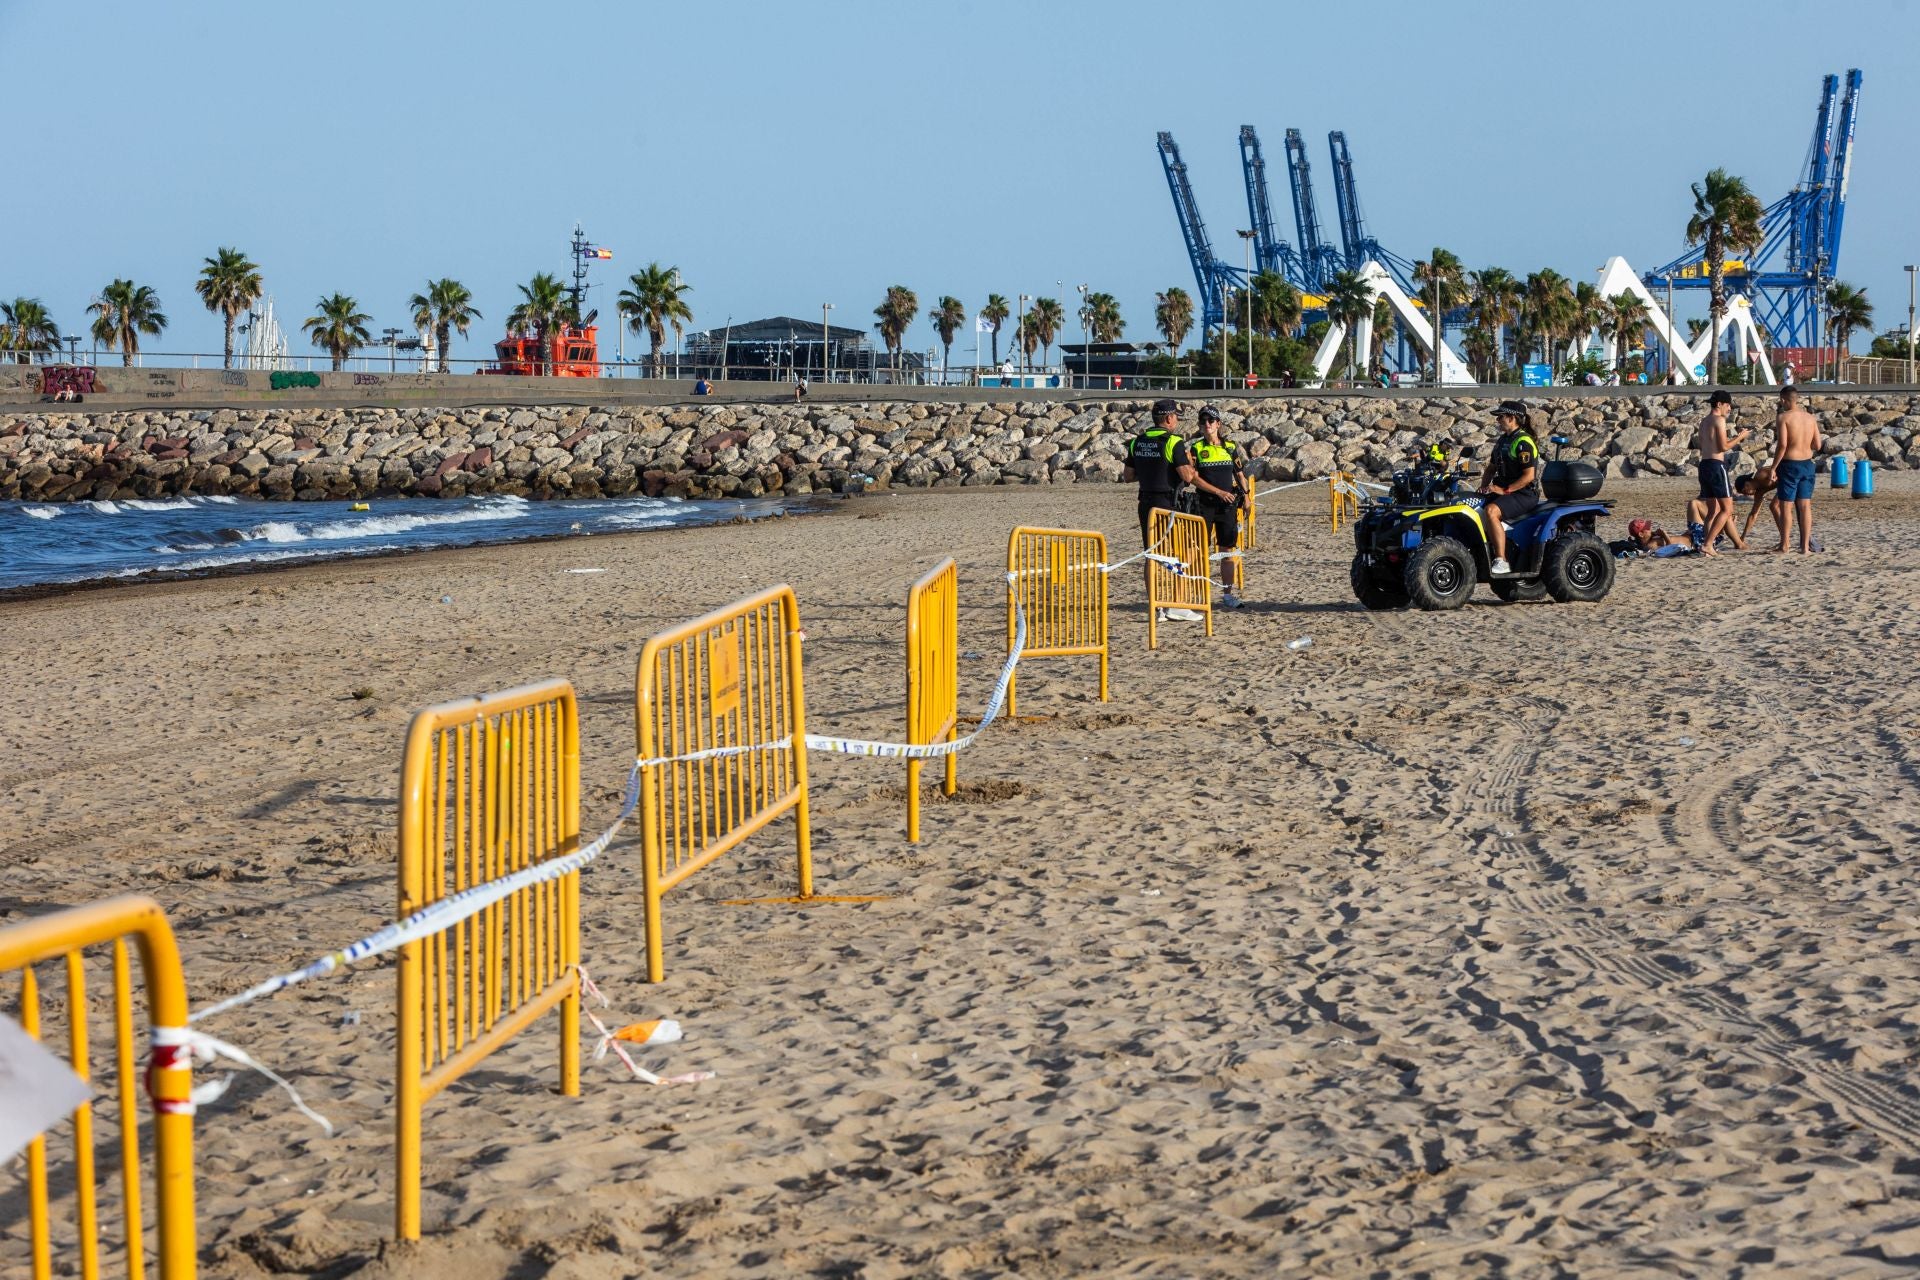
{"x":1617,"y":277}
{"x":1452,"y":372}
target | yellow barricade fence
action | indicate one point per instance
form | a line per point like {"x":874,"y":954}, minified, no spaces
{"x":727,"y":689}
{"x":489,"y":786}
{"x":933,"y":676}
{"x":63,"y":936}
{"x":1058,"y":577}
{"x":1249,"y":524}
{"x":1175,"y":535}
{"x":1340,"y":494}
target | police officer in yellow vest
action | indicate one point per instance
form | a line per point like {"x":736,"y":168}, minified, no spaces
{"x":1160,"y":461}
{"x":1221,"y":492}
{"x":1511,"y":482}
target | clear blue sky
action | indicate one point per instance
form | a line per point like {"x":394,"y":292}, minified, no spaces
{"x":787,"y":155}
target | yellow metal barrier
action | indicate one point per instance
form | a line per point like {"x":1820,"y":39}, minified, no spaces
{"x":1340,"y":494}
{"x":933,"y":676}
{"x":63,"y":936}
{"x":1249,"y":525}
{"x":1055,"y":577}
{"x":1185,"y":538}
{"x":730,"y":679}
{"x":489,"y":786}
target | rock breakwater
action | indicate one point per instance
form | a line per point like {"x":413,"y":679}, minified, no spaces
{"x":734,"y":450}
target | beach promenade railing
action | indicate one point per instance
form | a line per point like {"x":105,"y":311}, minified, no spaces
{"x":166,"y":1076}
{"x":1179,"y":574}
{"x":720,"y":729}
{"x":933,"y":676}
{"x":488,"y":786}
{"x":1058,"y":577}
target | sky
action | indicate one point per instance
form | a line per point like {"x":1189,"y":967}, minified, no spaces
{"x":783,"y":156}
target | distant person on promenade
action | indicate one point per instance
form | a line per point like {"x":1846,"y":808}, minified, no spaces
{"x":799,"y":390}
{"x":1220,"y":493}
{"x":1786,"y":374}
{"x":1798,"y":441}
{"x":1716,"y":488}
{"x":701,"y":387}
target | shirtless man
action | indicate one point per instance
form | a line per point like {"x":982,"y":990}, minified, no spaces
{"x":1715,"y":489}
{"x":1799,"y":441}
{"x":1757,"y":486}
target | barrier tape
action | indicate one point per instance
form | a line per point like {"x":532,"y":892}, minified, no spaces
{"x":436,"y":916}
{"x":180,"y":1048}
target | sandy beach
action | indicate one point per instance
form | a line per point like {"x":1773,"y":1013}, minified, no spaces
{"x":1528,"y":940}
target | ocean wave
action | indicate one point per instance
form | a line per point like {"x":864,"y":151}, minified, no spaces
{"x":240,"y":558}
{"x":173,"y":504}
{"x":287,"y":531}
{"x":40,"y":513}
{"x":106,"y":508}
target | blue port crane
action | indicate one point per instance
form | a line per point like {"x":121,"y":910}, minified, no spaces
{"x":1358,"y":246}
{"x":1788,"y":279}
{"x":1319,"y":261}
{"x":1270,"y":251}
{"x":1210,"y":273}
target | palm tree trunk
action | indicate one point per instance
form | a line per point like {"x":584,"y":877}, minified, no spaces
{"x":442,"y":335}
{"x":229,"y":349}
{"x":1716,"y":302}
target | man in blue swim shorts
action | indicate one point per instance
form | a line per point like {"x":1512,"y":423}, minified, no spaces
{"x":1716,"y":488}
{"x":1798,"y":435}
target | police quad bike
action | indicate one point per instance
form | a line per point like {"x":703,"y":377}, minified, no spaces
{"x":1425,"y":542}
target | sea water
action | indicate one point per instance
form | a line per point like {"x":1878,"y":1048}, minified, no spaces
{"x":44,"y":543}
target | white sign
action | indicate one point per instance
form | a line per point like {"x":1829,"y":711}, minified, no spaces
{"x":37,"y":1090}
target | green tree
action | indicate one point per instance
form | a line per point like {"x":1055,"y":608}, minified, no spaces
{"x":123,"y":311}
{"x":1173,"y":317}
{"x":1546,"y":306}
{"x":1103,"y":317}
{"x":995,"y":313}
{"x":1726,"y":218}
{"x":893,"y":317}
{"x":1047,"y":317}
{"x":1384,"y":323}
{"x":654,"y":301}
{"x":1587,"y":313}
{"x":1495,"y":305}
{"x":1627,"y":318}
{"x":229,"y":284}
{"x":1276,"y":304}
{"x":1847,"y":310}
{"x":1349,"y":300}
{"x":947,"y":316}
{"x":445,"y":307}
{"x":1027,"y":335}
{"x":544,"y":305}
{"x":340,"y":328}
{"x":27,"y":329}
{"x":1482,"y":350}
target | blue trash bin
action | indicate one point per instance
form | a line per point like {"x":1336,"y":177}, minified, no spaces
{"x":1838,"y":477}
{"x":1863,"y":479}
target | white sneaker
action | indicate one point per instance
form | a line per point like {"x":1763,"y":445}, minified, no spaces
{"x":1501,"y":566}
{"x":1184,"y":615}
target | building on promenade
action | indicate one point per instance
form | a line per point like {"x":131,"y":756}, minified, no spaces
{"x":782,"y":348}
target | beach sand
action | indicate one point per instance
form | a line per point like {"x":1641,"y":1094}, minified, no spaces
{"x":1523,"y":940}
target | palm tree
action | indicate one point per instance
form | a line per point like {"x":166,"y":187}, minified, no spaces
{"x":1587,"y":312}
{"x":946,"y":317}
{"x":995,"y":313}
{"x":1047,"y":317}
{"x":443,"y":308}
{"x":1349,"y":300}
{"x":1276,"y":304}
{"x":1383,"y":323}
{"x":1482,"y":348}
{"x":27,"y":329}
{"x":656,"y":300}
{"x":1546,"y":304}
{"x":1627,"y":317}
{"x":544,"y":303}
{"x":1173,"y":316}
{"x":1103,"y":317}
{"x":341,"y":328}
{"x":1495,"y":305}
{"x":1847,"y":310}
{"x":1027,"y":335}
{"x":122,"y":312}
{"x":1726,"y":216}
{"x":229,"y":284}
{"x":1441,"y":274}
{"x":895,"y":314}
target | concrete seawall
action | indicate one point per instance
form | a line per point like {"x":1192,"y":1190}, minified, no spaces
{"x":718,"y":448}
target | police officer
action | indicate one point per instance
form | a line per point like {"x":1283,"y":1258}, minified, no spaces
{"x":1160,"y":461}
{"x":1511,"y":481}
{"x":1220,"y":492}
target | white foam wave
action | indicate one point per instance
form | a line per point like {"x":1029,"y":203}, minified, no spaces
{"x":286,"y":531}
{"x":106,"y":508}
{"x":40,"y":513}
{"x":176,"y":504}
{"x":221,"y":498}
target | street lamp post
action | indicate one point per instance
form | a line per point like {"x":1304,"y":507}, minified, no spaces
{"x":1020,"y":331}
{"x":1225,"y":298}
{"x":1672,"y":331}
{"x":1910,"y":326}
{"x":1086,"y":343}
{"x":826,"y":370}
{"x":392,"y":337}
{"x":1246,"y":238}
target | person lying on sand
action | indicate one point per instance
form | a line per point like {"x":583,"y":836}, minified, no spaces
{"x":1645,"y":538}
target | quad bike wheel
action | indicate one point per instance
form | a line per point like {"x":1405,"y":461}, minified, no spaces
{"x":1373,"y":592}
{"x":1440,"y":574}
{"x":1519,"y":590}
{"x":1578,"y":567}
